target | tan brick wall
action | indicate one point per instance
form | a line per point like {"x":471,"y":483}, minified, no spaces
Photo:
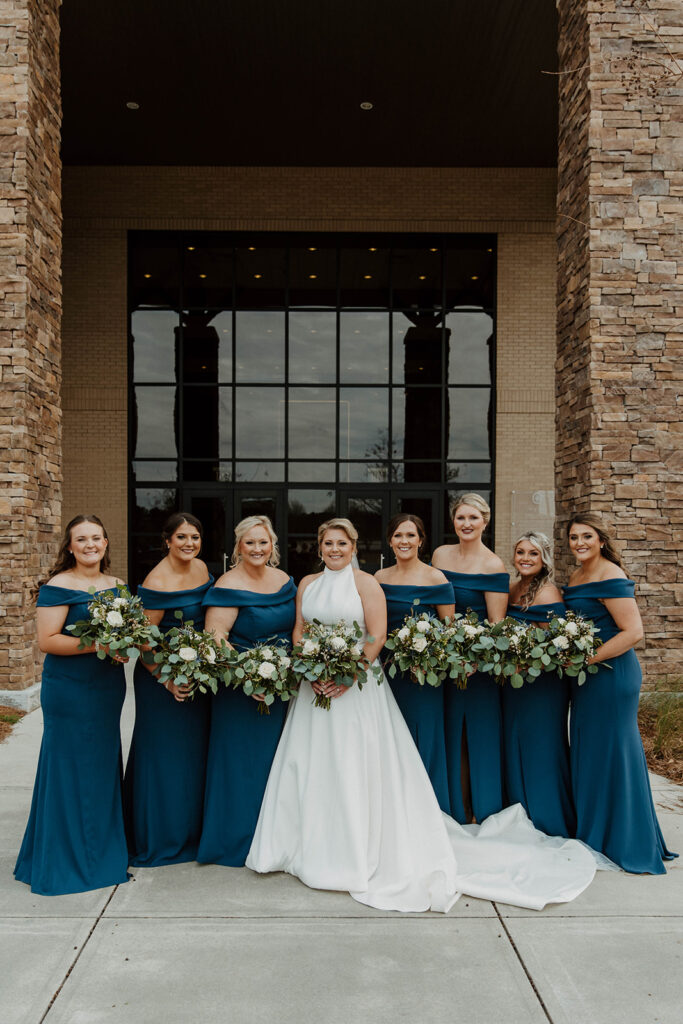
{"x":102,"y":203}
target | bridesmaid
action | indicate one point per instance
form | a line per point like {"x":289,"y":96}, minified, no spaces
{"x":163,"y":786}
{"x":75,"y":840}
{"x":535,"y":717}
{"x":252,"y":602}
{"x":474,"y":728}
{"x":404,"y":584}
{"x":614,"y":807}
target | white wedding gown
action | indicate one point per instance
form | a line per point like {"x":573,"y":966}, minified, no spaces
{"x":349,"y":806}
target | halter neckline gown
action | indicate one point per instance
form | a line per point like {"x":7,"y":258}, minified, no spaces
{"x":163,"y":787}
{"x":535,"y":740}
{"x":242,"y":742}
{"x":614,"y":806}
{"x":74,"y":839}
{"x":349,"y":806}
{"x":421,"y":706}
{"x":475,"y":713}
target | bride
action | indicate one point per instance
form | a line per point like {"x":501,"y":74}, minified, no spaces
{"x":349,"y":804}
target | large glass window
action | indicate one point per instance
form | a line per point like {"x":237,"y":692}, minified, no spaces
{"x":325,"y":362}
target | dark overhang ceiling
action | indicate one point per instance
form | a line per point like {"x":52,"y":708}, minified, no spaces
{"x":280,"y":82}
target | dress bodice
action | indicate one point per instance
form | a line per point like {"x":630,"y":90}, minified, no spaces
{"x":333,"y":596}
{"x":260,"y":616}
{"x":78,"y":602}
{"x":401,"y":600}
{"x":189,"y":602}
{"x":470,"y":589}
{"x":587,"y":598}
{"x":536,"y":612}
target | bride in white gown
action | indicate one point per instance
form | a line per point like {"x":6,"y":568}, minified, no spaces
{"x":349,"y":804}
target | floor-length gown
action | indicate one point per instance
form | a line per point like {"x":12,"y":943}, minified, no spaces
{"x":74,"y":839}
{"x":536,"y":741}
{"x":475,"y":713}
{"x":163,"y":786}
{"x":421,"y":706}
{"x":349,"y":806}
{"x":242,"y":742}
{"x":614,"y":806}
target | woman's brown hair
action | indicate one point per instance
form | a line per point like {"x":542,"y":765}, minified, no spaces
{"x":407,"y":517}
{"x":596,"y":523}
{"x":65,"y":560}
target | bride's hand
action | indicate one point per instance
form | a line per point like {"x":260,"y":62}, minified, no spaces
{"x":328,"y":688}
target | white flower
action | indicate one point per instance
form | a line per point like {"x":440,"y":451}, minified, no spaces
{"x":561,"y":642}
{"x":187,"y":654}
{"x":403,"y":634}
{"x":337,"y":643}
{"x":266,"y":669}
{"x":419,"y":643}
{"x":210,"y":655}
{"x":119,"y":602}
{"x":97,"y":612}
{"x":470,"y":630}
{"x":267,"y":653}
{"x":571,"y":628}
{"x":583,"y":643}
{"x":515,"y":639}
{"x":114,"y":618}
{"x":285,"y":661}
{"x":356,"y":651}
{"x":423,"y":626}
{"x":310,"y":647}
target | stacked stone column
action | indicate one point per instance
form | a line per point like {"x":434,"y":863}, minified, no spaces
{"x":620,"y":295}
{"x":30,"y":304}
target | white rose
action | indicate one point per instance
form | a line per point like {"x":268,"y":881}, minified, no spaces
{"x":187,"y":654}
{"x":266,"y":669}
{"x":114,"y":618}
{"x":337,"y":643}
{"x":119,"y":602}
{"x":403,"y":634}
{"x":356,"y":651}
{"x":285,"y":661}
{"x":581,"y":643}
{"x":423,"y":626}
{"x":470,"y":631}
{"x":515,"y":639}
{"x":267,"y":654}
{"x":419,"y":643}
{"x":311,"y":647}
{"x":210,"y":655}
{"x":561,"y":642}
{"x":97,"y":612}
{"x":571,"y":628}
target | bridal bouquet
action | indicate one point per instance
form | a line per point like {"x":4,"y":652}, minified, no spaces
{"x":417,"y":649}
{"x":462,"y":639}
{"x":265,"y":670}
{"x":332,"y":652}
{"x":572,"y":641}
{"x":188,"y":656}
{"x":116,"y":625}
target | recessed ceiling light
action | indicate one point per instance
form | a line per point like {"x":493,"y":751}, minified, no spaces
{"x":367,"y":277}
{"x":475,"y":277}
{"x":147,"y":275}
{"x":423,"y":277}
{"x":132,"y":105}
{"x":372,"y":250}
{"x":312,"y":277}
{"x":366,"y":105}
{"x":257,"y":276}
{"x":202,"y":276}
{"x":312,"y":248}
{"x":489,"y":250}
{"x":433,"y":250}
{"x":251,"y":248}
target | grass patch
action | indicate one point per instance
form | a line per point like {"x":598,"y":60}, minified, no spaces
{"x":8,"y":717}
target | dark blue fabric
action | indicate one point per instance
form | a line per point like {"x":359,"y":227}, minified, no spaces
{"x":243,"y":742}
{"x":614,"y":806}
{"x":475,"y":712}
{"x":421,"y":706}
{"x":535,"y":741}
{"x":74,"y":839}
{"x":163,"y":788}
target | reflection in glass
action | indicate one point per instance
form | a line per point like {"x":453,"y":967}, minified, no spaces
{"x":207,"y":347}
{"x":373,"y":472}
{"x":416,"y":276}
{"x":154,"y":270}
{"x":210,"y":511}
{"x":247,"y":471}
{"x":416,"y":472}
{"x":207,"y":422}
{"x":470,"y":348}
{"x":364,"y":276}
{"x":257,"y":505}
{"x":260,"y":346}
{"x":207,"y":273}
{"x":470,"y":268}
{"x":312,"y":348}
{"x":365,"y":512}
{"x":312,"y":472}
{"x":364,"y":424}
{"x":260,"y":276}
{"x":260,"y":423}
{"x":155,"y":423}
{"x":416,"y":424}
{"x":313,"y":275}
{"x":154,"y":346}
{"x":417,"y":347}
{"x":152,"y":506}
{"x":469,"y":413}
{"x":312,"y":423}
{"x":306,"y":509}
{"x":147,"y":470}
{"x":364,"y":348}
{"x":478,"y":473}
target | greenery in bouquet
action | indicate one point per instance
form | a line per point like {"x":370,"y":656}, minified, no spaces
{"x":520,"y":652}
{"x":116,"y":625}
{"x":462,"y":642}
{"x":185,"y":656}
{"x":572,"y":641}
{"x":332,"y":652}
{"x":264,"y":671}
{"x":417,"y":649}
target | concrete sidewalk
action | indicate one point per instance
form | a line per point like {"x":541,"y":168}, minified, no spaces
{"x":198,"y":945}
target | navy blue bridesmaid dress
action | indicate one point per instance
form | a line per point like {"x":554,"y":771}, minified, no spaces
{"x":614,"y":807}
{"x":475,"y":713}
{"x":536,"y":742}
{"x":243,"y":742}
{"x":163,"y":788}
{"x":74,"y":839}
{"x":421,"y":706}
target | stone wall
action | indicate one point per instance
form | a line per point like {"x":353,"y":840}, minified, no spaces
{"x":30,"y":301}
{"x":620,"y":302}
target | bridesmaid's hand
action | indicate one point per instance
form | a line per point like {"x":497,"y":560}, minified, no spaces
{"x":179,"y":692}
{"x":258,"y":696}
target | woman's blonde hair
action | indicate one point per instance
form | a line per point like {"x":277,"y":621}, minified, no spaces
{"x":546,"y":575}
{"x":338,"y":523}
{"x":475,"y":500}
{"x":244,"y":526}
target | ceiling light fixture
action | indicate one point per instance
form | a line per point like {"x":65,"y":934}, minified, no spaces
{"x":190,"y":248}
{"x":423,"y":277}
{"x":372,"y":250}
{"x":257,"y":277}
{"x":202,"y":276}
{"x":475,"y":277}
{"x":367,"y":277}
{"x":251,"y":248}
{"x":147,"y":275}
{"x":312,"y":277}
{"x":132,"y":105}
{"x":312,"y":248}
{"x":433,"y":250}
{"x":366,"y":105}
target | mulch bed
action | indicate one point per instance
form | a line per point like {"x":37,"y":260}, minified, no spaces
{"x":8,"y":717}
{"x":661,"y":726}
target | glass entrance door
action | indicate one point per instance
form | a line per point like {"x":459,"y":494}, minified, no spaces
{"x":370,"y":511}
{"x":219,"y":507}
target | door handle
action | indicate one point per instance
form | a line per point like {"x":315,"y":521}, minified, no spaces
{"x":225,"y":562}
{"x":381,"y":560}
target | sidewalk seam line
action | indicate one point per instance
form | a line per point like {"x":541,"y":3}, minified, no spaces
{"x":78,"y":954}
{"x":522,"y":964}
